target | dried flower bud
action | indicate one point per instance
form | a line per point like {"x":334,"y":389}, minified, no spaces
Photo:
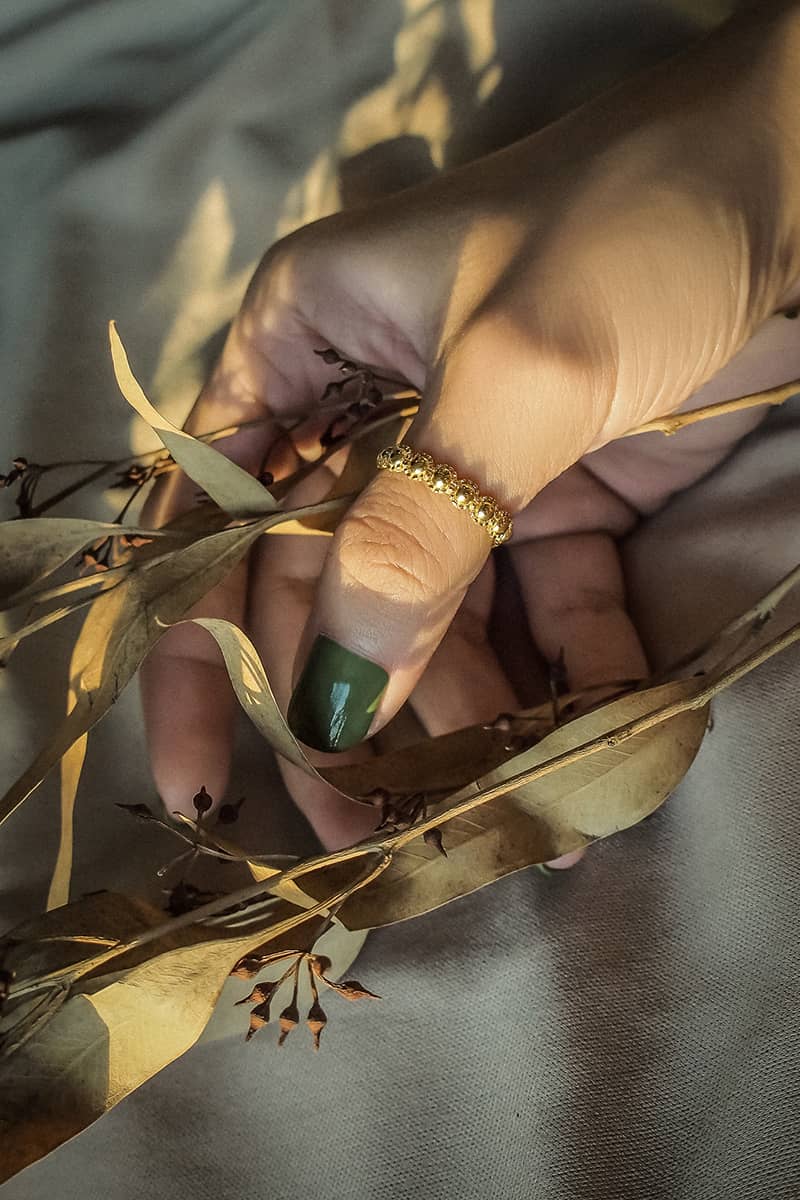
{"x":351,"y":989}
{"x":348,"y":367}
{"x":316,"y":1022}
{"x":259,"y":1017}
{"x":202,"y":801}
{"x":329,"y":355}
{"x":246,"y":968}
{"x":262,"y":993}
{"x":20,"y":463}
{"x":319,"y":964}
{"x":230,"y":812}
{"x":288,"y":1020}
{"x":502,"y":722}
{"x":792,"y":313}
{"x":433,"y":837}
{"x":266,"y":477}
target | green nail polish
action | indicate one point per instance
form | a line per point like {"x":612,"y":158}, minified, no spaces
{"x":336,"y":697}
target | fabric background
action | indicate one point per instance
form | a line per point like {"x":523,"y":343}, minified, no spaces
{"x":627,"y":1030}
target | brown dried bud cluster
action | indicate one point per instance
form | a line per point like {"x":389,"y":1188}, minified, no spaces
{"x":264,"y":993}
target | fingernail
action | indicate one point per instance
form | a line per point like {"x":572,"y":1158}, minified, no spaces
{"x":336,"y":697}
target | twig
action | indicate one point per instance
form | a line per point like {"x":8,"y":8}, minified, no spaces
{"x":254,"y":892}
{"x":672,"y":424}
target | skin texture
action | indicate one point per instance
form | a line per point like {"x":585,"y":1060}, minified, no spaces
{"x":614,"y":267}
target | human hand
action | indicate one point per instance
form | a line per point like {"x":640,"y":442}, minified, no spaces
{"x":545,"y":300}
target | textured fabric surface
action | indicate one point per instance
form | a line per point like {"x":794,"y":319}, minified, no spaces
{"x":627,"y":1030}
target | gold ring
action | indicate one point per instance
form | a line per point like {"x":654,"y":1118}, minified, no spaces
{"x":443,"y":480}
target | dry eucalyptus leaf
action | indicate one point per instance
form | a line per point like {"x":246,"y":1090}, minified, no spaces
{"x":233,"y":489}
{"x":121,"y":627}
{"x":249,"y":680}
{"x":32,"y":549}
{"x":563,"y":811}
{"x":438,"y":764}
{"x":113,"y":1031}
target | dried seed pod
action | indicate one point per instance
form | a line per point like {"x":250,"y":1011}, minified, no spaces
{"x":259,"y":1017}
{"x":202,"y":801}
{"x":246,"y":968}
{"x":288,"y":1020}
{"x":262,"y":993}
{"x":316,"y":1022}
{"x":230,"y":812}
{"x":319,"y":964}
{"x":351,"y":989}
{"x":266,"y":477}
{"x":433,"y":837}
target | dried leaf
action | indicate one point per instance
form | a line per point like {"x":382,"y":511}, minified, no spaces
{"x":121,"y":627}
{"x":249,"y":679}
{"x":71,"y":767}
{"x":440,"y":764}
{"x":563,"y":811}
{"x":112,"y":1032}
{"x":32,"y":549}
{"x":233,"y":489}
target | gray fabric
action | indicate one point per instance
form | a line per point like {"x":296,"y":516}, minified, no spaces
{"x":629,"y":1030}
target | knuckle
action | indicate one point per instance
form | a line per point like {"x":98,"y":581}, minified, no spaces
{"x":397,"y":552}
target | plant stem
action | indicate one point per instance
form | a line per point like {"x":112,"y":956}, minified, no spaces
{"x":672,"y":424}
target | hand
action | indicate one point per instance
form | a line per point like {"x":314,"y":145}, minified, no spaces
{"x":545,"y":300}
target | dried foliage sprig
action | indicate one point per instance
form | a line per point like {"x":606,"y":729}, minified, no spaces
{"x":458,"y":813}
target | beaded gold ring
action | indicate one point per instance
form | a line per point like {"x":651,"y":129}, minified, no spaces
{"x":444,"y":481}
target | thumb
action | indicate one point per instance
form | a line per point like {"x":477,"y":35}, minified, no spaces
{"x":404,"y":555}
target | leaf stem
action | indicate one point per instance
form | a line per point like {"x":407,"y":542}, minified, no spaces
{"x":673,"y":424}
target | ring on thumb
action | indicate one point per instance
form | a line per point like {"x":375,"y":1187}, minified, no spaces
{"x":397,"y":570}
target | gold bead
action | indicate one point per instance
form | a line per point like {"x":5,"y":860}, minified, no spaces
{"x":421,"y":467}
{"x":443,"y":480}
{"x":484,"y":511}
{"x":397,"y":458}
{"x":465,"y":494}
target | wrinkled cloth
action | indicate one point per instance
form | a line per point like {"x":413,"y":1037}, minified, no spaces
{"x":629,"y":1029}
